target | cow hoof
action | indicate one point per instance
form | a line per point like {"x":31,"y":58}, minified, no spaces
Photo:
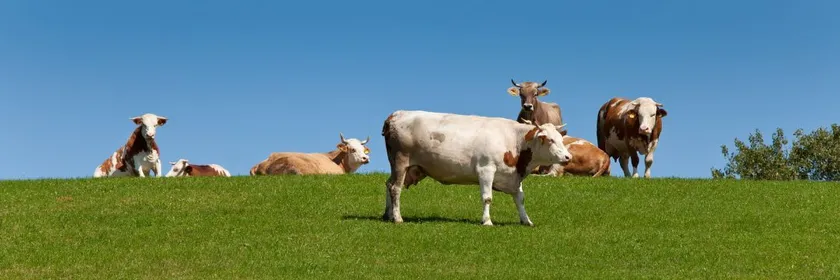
{"x":635,"y":175}
{"x":487,"y":223}
{"x":398,"y":221}
{"x":527,"y":223}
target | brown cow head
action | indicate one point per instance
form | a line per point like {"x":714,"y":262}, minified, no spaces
{"x":528,"y":93}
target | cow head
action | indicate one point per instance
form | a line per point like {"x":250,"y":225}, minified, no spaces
{"x":149,"y":122}
{"x":528,"y":93}
{"x":357,"y":152}
{"x":546,"y":142}
{"x":179,"y":168}
{"x":646,"y":112}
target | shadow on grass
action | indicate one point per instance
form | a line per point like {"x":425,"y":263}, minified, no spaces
{"x":425,"y":219}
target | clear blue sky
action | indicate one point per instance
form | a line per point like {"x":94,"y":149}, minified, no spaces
{"x":241,"y":79}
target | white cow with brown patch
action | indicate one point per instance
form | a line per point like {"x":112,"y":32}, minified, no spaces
{"x":183,"y":168}
{"x":627,"y":127}
{"x":140,"y":155}
{"x":495,"y":153}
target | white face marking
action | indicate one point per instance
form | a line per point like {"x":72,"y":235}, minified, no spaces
{"x":357,"y":153}
{"x":646,"y":113}
{"x":553,"y":145}
{"x":177,"y":168}
{"x":149,"y":123}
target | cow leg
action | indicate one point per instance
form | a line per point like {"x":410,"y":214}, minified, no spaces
{"x":157,"y":169}
{"x":140,"y":171}
{"x":393,"y":187}
{"x":648,"y":164}
{"x":635,"y":160}
{"x":622,"y":160}
{"x":485,"y":183}
{"x":519,"y":199}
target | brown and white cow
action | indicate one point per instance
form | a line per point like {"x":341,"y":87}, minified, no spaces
{"x":139,"y":155}
{"x":587,"y":159}
{"x":495,"y":153}
{"x":626,"y":127}
{"x":532,"y":109}
{"x":349,"y":155}
{"x":183,"y":168}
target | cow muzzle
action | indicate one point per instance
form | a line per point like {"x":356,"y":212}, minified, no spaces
{"x":528,"y":106}
{"x":644,"y":130}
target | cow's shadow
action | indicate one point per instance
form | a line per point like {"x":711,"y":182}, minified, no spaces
{"x":425,"y":219}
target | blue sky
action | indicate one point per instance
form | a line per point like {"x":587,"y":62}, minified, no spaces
{"x":241,"y":79}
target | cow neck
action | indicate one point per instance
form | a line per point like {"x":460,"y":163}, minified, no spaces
{"x":339,"y":157}
{"x":137,"y":143}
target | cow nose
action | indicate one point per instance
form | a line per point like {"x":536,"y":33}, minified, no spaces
{"x":567,"y":157}
{"x":528,"y":106}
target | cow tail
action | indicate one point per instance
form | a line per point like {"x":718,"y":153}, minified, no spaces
{"x":605,"y":168}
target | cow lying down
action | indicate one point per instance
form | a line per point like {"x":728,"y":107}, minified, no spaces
{"x":183,"y":168}
{"x":495,"y":153}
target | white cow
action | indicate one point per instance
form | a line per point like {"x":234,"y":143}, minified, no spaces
{"x":139,"y":155}
{"x":495,"y":153}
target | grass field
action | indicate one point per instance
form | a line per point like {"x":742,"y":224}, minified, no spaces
{"x":329,"y":227}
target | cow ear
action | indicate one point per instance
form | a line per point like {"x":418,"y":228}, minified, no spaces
{"x":342,"y":147}
{"x":543,"y":91}
{"x":513,"y":91}
{"x":137,"y":120}
{"x":631,"y":114}
{"x":661,"y":112}
{"x":161,"y":121}
{"x":532,"y":134}
{"x":188,"y":169}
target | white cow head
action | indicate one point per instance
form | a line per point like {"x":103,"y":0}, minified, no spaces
{"x":179,"y":168}
{"x":647,"y":111}
{"x":149,"y":122}
{"x":357,"y":152}
{"x":546,"y":142}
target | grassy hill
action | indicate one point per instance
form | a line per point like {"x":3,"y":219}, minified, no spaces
{"x":329,"y":227}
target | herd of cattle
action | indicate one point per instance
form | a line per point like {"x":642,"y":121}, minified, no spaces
{"x":495,"y":153}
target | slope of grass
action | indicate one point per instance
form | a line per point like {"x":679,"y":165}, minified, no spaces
{"x":329,"y":227}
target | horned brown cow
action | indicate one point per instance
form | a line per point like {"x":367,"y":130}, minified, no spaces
{"x":627,"y":127}
{"x":349,"y":155}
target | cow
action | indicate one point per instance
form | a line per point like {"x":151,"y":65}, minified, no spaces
{"x":139,"y":155}
{"x":349,"y":155}
{"x":587,"y":159}
{"x":532,"y":109}
{"x":183,"y":168}
{"x":495,"y":153}
{"x":626,"y":127}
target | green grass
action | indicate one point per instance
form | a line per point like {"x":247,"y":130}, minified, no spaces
{"x":329,"y":227}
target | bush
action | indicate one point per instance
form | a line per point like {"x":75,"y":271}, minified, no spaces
{"x":813,"y":156}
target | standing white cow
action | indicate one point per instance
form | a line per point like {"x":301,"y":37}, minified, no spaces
{"x":495,"y":153}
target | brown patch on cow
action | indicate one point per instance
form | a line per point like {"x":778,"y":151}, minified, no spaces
{"x":522,"y":162}
{"x":510,"y":159}
{"x":386,"y":125}
{"x":339,"y":157}
{"x":543,"y":139}
{"x":530,"y":135}
{"x":202,"y":170}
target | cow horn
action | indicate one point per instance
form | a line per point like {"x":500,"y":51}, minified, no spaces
{"x":658,"y":104}
{"x":366,"y":140}
{"x":543,"y":84}
{"x":342,"y":138}
{"x":525,"y":121}
{"x":514,"y":83}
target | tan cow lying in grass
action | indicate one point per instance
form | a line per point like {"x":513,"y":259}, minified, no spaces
{"x":349,"y":155}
